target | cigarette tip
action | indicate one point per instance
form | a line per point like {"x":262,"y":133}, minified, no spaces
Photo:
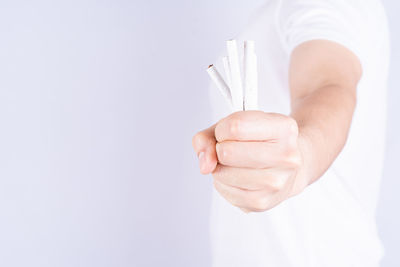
{"x":210,"y":66}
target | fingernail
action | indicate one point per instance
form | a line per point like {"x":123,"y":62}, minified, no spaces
{"x":201,"y":161}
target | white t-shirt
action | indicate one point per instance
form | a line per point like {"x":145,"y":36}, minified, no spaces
{"x":331,"y":223}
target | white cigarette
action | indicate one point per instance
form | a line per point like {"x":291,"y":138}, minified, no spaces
{"x":250,"y":77}
{"x":220,"y":83}
{"x":227,"y":69}
{"x":236,"y":81}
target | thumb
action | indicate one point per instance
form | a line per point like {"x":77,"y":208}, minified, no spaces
{"x":204,"y":145}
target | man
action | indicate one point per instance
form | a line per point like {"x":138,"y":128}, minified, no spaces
{"x":297,"y":182}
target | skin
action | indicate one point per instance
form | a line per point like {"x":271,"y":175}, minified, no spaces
{"x":260,"y":159}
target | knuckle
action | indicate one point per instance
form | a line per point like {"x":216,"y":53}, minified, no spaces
{"x":277,"y":184}
{"x":215,"y":184}
{"x":198,"y":139}
{"x":292,"y":126}
{"x":218,"y":187}
{"x":217,"y":173}
{"x":260,"y":203}
{"x":293,"y":159}
{"x":222,"y":153}
{"x":234,"y":126}
{"x":194,"y":140}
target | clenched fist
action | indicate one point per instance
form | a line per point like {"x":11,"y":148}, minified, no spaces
{"x":254,"y":157}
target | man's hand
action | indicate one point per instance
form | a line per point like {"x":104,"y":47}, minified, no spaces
{"x":254,"y":157}
{"x":260,"y":159}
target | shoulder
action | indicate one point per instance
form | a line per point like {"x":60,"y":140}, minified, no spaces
{"x":359,"y":25}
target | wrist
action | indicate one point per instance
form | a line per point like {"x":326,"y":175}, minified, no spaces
{"x":304,"y":174}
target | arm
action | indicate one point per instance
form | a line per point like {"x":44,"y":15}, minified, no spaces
{"x":323,"y":78}
{"x":260,"y":159}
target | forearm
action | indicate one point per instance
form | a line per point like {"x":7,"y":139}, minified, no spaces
{"x":324,"y":119}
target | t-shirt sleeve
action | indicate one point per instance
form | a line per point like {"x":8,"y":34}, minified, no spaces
{"x":340,"y":21}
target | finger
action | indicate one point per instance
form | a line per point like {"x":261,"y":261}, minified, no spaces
{"x":245,"y":199}
{"x":257,"y":155}
{"x":271,"y":180}
{"x":245,"y":210}
{"x":204,"y":145}
{"x":255,"y":126}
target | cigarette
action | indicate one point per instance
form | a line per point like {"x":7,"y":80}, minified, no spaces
{"x":227,"y":69}
{"x":250,"y":77}
{"x":236,"y":81}
{"x":220,"y":83}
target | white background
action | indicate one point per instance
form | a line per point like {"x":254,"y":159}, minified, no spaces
{"x":98,"y":104}
{"x":388,"y":209}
